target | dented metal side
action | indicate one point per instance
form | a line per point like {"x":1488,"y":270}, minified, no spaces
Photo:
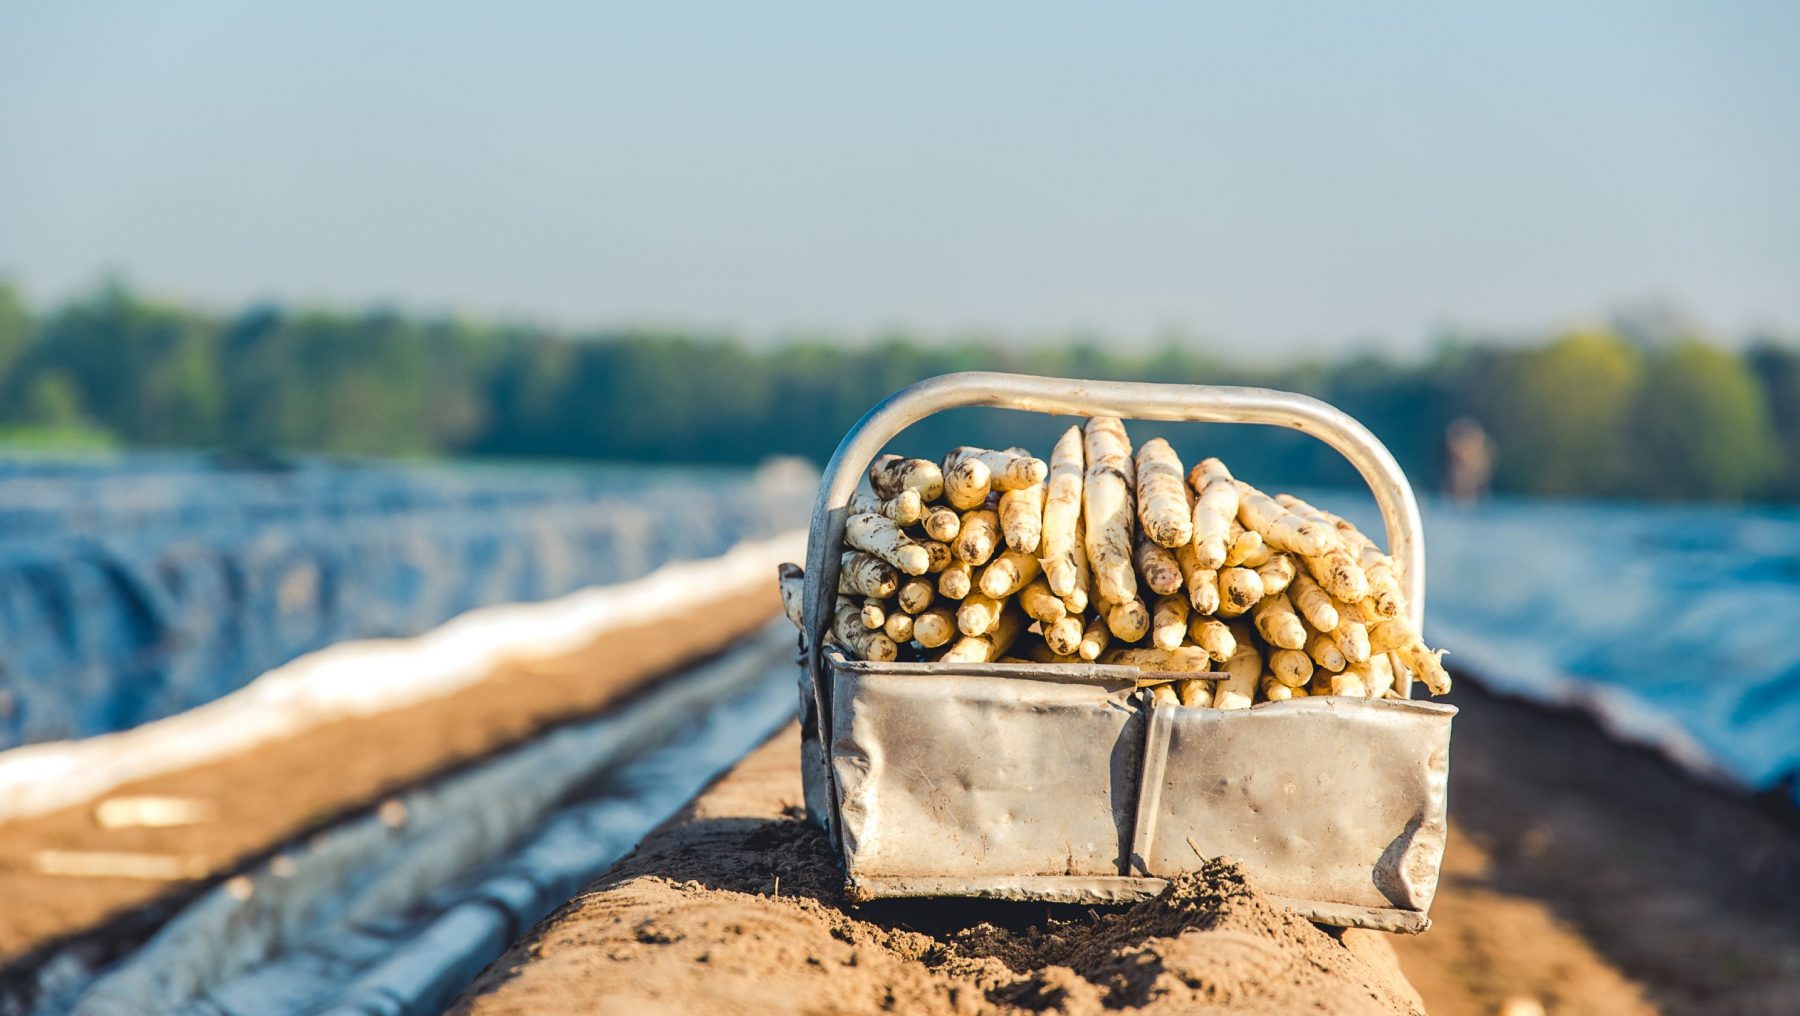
{"x":944,"y":774}
{"x":1338,"y":800}
{"x":1023,"y":782}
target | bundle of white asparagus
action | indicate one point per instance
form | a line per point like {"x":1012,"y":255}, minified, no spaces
{"x":1103,"y":555}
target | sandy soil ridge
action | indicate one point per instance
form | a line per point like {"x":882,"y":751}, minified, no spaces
{"x":735,"y":906}
{"x":1597,"y":878}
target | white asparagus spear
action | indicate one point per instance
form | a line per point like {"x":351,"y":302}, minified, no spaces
{"x":1353,"y":681}
{"x":903,"y":508}
{"x":970,"y":473}
{"x":1282,"y":529}
{"x":1022,"y":518}
{"x":1278,"y":623}
{"x":1397,"y":636}
{"x":989,"y":647}
{"x":980,"y":536}
{"x":1274,"y":690}
{"x":1213,"y":636}
{"x":934,"y":627}
{"x":1128,"y":621}
{"x":1044,"y":652}
{"x":1242,"y":670}
{"x":1277,"y":573}
{"x":1059,"y":544}
{"x":878,"y":535}
{"x":874,"y":615}
{"x":1239,"y":590}
{"x":1325,"y":652}
{"x":1202,"y":583}
{"x":1016,"y":468}
{"x":915,"y":595}
{"x":1215,"y":506}
{"x":1157,"y":566}
{"x":1246,"y":545}
{"x":1161,"y":498}
{"x":1313,"y":603}
{"x":1388,"y":635}
{"x":1378,"y":570}
{"x":1426,"y":665}
{"x":1040,"y":604}
{"x":864,"y":574}
{"x":1381,"y":675}
{"x":848,"y":630}
{"x":1194,"y":693}
{"x":1094,"y":639}
{"x":942,"y":523}
{"x":1291,"y":667}
{"x":978,"y":614}
{"x":967,"y":479}
{"x":939,"y":554}
{"x":1169,"y":622}
{"x":891,"y":474}
{"x":1181,"y":660}
{"x":1255,"y":558}
{"x":1351,"y":634}
{"x":1077,"y":599}
{"x":1107,"y":494}
{"x":956,"y":580}
{"x":1007,"y":573}
{"x":1339,"y":574}
{"x":1063,"y":636}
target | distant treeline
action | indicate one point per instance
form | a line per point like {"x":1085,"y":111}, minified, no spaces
{"x":1587,"y":413}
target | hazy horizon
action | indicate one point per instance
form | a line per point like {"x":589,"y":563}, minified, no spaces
{"x":1363,"y":178}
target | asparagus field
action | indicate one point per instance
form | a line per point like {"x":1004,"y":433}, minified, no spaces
{"x":1222,"y":594}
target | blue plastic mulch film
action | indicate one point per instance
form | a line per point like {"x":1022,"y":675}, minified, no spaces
{"x":135,"y":588}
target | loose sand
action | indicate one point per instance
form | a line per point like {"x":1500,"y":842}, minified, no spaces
{"x":1596,"y":878}
{"x":289,"y":787}
{"x":736,"y":906}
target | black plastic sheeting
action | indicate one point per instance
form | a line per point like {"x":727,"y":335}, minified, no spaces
{"x":135,"y":588}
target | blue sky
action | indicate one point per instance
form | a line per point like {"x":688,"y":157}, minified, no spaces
{"x":1268,"y":178}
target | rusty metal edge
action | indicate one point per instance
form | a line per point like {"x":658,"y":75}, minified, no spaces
{"x":1080,"y":673}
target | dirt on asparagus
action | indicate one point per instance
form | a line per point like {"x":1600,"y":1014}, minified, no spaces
{"x":736,"y":906}
{"x":291,"y":785}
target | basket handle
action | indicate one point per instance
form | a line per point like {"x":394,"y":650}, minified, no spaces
{"x":1065,"y":397}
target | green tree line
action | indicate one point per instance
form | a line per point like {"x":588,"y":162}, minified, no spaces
{"x":1589,"y":413}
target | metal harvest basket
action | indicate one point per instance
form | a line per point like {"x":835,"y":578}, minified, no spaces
{"x":1065,"y":783}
